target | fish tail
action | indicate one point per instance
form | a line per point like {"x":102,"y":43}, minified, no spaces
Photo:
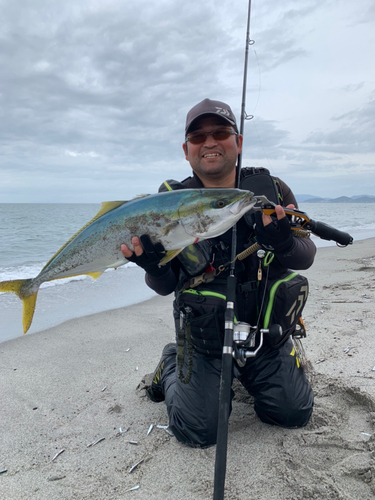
{"x":19,"y":288}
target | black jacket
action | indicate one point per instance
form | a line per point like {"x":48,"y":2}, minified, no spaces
{"x":301,"y":256}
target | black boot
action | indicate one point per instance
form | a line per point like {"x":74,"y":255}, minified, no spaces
{"x":155,"y":391}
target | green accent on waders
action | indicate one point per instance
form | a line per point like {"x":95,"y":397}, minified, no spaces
{"x":206,"y":293}
{"x":167,"y":186}
{"x":274,"y":287}
{"x":280,"y":198}
{"x":268,"y":259}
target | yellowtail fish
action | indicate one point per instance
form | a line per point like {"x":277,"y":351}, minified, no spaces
{"x":177,"y":219}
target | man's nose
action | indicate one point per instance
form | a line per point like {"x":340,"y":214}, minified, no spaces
{"x":210,"y":140}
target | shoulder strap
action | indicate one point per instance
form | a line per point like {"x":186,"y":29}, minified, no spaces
{"x":261,"y":182}
{"x":171,"y":185}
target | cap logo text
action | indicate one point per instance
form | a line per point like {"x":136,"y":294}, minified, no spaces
{"x":222,"y":111}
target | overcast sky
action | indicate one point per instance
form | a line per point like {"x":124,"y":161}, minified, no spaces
{"x":94,"y":94}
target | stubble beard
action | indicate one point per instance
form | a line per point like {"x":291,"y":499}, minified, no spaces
{"x":215,"y":171}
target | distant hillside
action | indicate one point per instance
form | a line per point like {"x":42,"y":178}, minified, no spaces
{"x":307,"y":198}
{"x":304,"y":197}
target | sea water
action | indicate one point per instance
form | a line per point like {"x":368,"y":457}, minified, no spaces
{"x":30,"y":234}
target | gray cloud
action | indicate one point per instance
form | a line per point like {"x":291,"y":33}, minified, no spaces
{"x":356,"y":132}
{"x":93,"y":96}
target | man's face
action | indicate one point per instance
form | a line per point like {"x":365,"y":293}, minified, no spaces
{"x":214,"y":161}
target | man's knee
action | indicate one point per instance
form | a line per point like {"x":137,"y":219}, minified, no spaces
{"x":201,"y":437}
{"x":287,"y":413}
{"x":193,"y":408}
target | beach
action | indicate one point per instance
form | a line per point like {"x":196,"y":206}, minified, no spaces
{"x":67,"y":391}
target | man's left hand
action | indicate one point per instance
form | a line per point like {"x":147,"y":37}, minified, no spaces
{"x":274,"y":235}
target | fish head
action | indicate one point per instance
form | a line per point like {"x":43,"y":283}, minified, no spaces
{"x":207,"y":213}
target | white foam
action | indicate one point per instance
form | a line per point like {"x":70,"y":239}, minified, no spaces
{"x":32,"y":270}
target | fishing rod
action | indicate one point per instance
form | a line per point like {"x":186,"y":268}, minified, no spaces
{"x":298,"y":220}
{"x":227,"y":355}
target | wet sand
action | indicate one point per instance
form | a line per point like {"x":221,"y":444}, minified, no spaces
{"x":71,"y":386}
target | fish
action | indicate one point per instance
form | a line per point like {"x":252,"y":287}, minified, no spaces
{"x":176,"y":219}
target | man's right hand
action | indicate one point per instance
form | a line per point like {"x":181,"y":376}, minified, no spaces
{"x":137,"y":245}
{"x":146,"y":254}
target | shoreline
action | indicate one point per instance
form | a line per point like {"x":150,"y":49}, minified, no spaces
{"x":71,"y":296}
{"x":69,"y":386}
{"x":75,"y":299}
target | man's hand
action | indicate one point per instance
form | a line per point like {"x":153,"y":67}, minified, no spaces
{"x":137,"y":245}
{"x":274,"y":235}
{"x":279,"y":212}
{"x":146,"y":254}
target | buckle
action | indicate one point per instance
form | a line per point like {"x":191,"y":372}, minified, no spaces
{"x":203,"y":278}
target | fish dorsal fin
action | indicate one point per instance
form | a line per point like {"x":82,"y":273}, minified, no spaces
{"x":140,"y":196}
{"x":107,"y":206}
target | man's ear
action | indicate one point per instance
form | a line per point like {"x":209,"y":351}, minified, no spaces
{"x":240,"y":141}
{"x":185,"y":148}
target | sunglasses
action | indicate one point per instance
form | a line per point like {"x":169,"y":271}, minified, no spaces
{"x":217,"y":135}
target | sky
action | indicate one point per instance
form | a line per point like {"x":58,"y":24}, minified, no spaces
{"x":94,"y":94}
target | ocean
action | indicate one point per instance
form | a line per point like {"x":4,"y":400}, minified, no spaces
{"x":31,"y":233}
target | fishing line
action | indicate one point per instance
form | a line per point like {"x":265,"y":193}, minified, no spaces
{"x":260,"y":81}
{"x":261,"y":145}
{"x":252,"y":116}
{"x":254,"y":19}
{"x":255,"y":107}
{"x":254,"y":16}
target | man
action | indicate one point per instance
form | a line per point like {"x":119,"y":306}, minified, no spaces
{"x":190,"y":386}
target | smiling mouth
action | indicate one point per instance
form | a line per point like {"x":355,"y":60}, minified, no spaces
{"x":211,"y":155}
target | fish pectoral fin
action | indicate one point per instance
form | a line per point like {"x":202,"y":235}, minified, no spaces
{"x":171,"y":254}
{"x":28,"y":311}
{"x":95,"y":275}
{"x":169,"y":227}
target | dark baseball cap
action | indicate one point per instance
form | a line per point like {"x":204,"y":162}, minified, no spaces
{"x":208,"y":107}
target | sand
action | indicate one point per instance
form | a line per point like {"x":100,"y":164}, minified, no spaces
{"x":77,"y":384}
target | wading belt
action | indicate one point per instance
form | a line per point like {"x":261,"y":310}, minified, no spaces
{"x":210,"y":276}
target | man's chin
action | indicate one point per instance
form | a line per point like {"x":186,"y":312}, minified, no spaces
{"x":212,"y":168}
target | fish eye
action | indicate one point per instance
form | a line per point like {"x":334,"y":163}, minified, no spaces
{"x":220,"y":204}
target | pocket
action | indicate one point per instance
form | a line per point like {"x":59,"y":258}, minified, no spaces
{"x":206,"y":320}
{"x":285,"y":300}
{"x":207,"y":335}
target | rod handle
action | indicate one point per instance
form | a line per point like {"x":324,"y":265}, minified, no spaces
{"x":326,"y":232}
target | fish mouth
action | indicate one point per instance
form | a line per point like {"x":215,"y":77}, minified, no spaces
{"x":243,"y":204}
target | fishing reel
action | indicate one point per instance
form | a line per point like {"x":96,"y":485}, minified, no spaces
{"x":245,"y":340}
